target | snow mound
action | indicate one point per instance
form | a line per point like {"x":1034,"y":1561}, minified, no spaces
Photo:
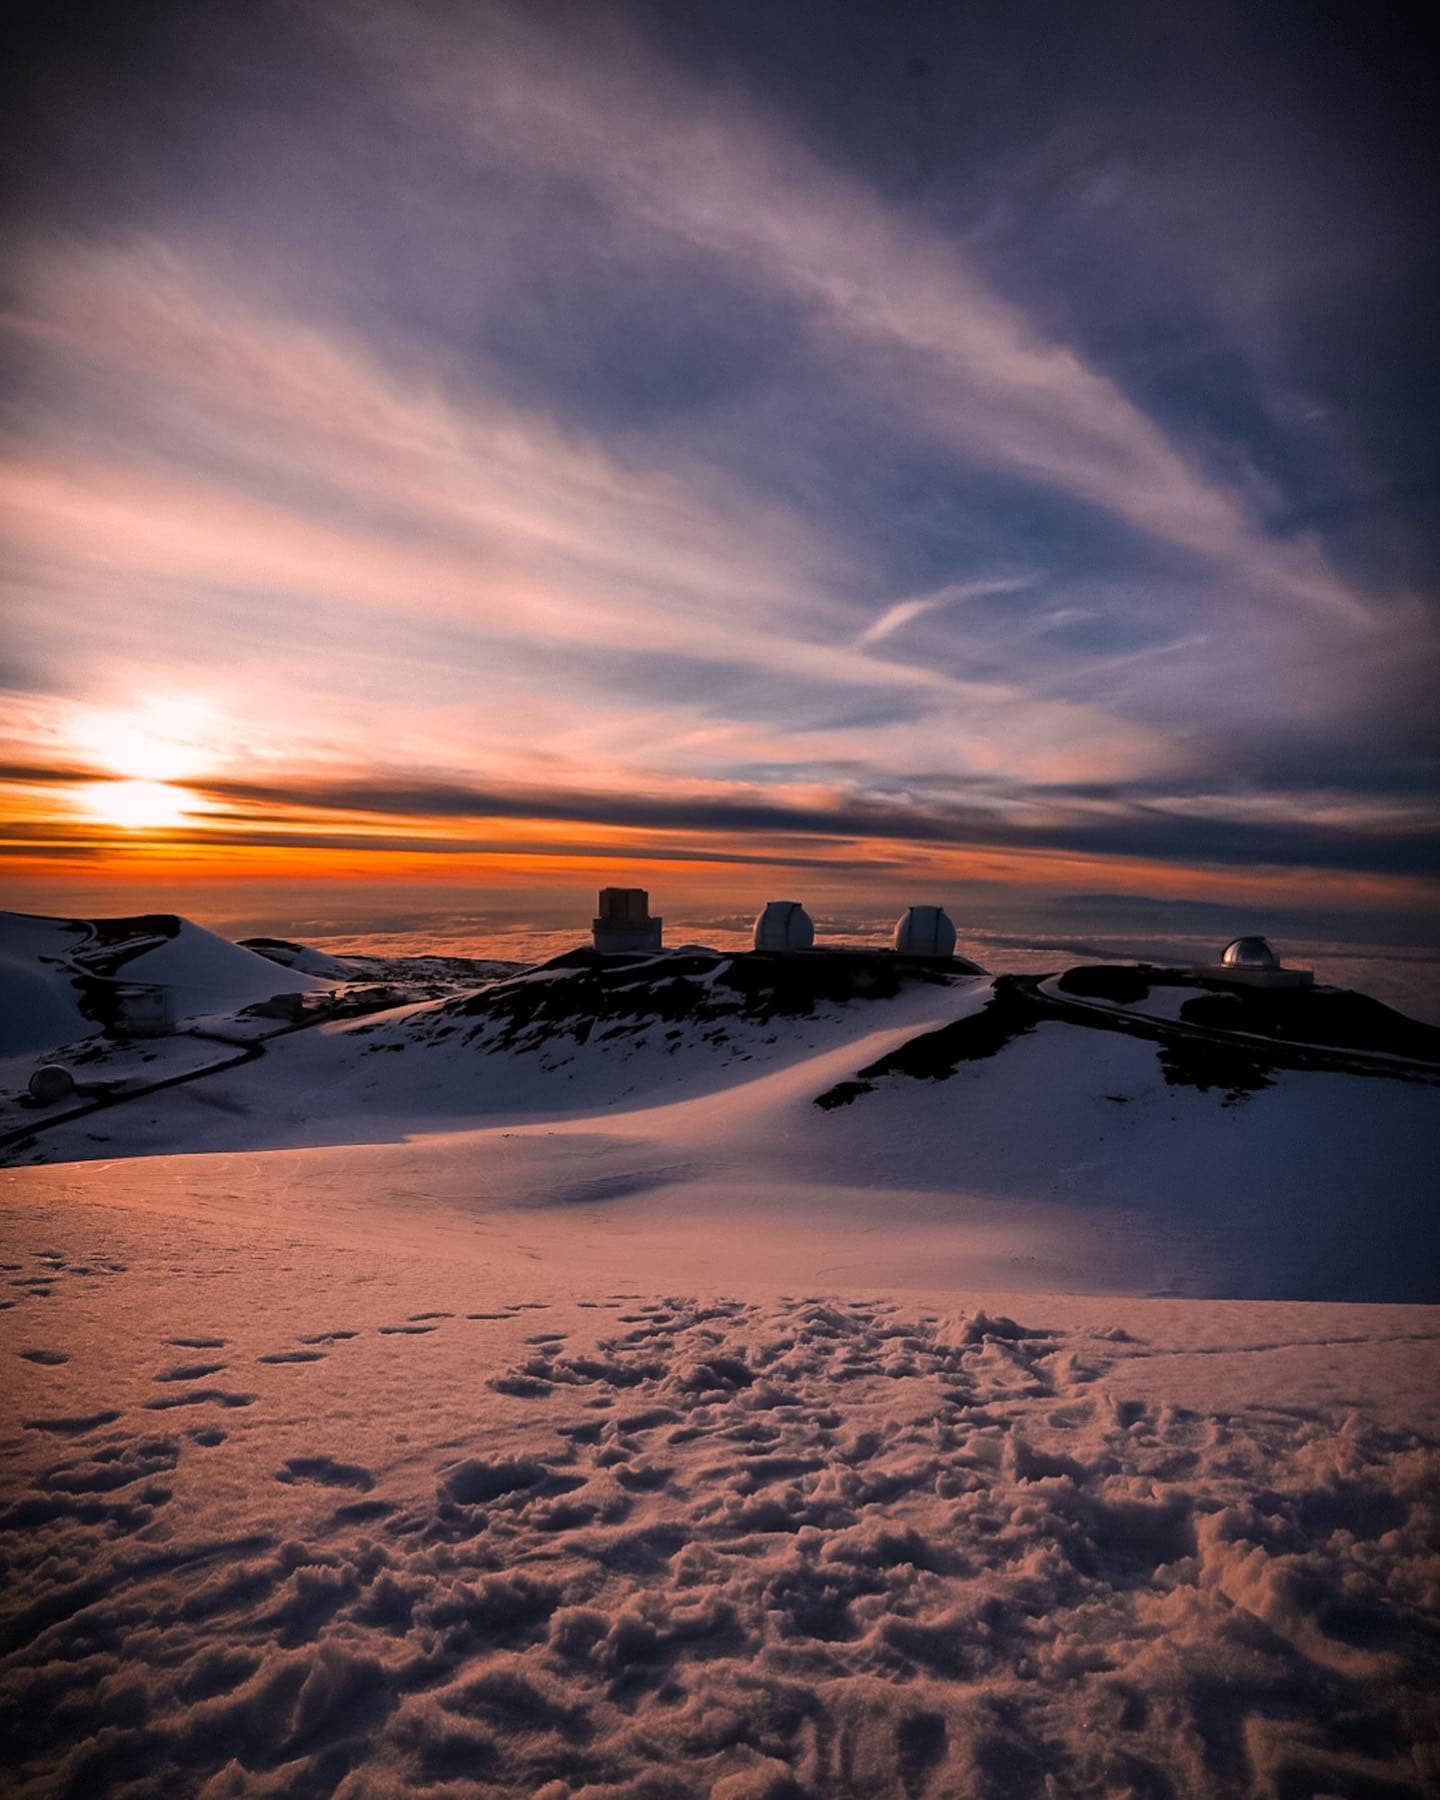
{"x":38,"y":1009}
{"x":56,"y":974}
{"x":585,"y":1033}
{"x":302,"y":958}
{"x":40,"y":1003}
{"x":431,"y":975}
{"x":206,"y":973}
{"x":608,"y":1011}
{"x":582,"y":992}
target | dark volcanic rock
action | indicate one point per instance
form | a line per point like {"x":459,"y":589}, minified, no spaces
{"x":1011,"y":1012}
{"x":1334,"y":1017}
{"x":583,"y":994}
{"x":1117,"y":982}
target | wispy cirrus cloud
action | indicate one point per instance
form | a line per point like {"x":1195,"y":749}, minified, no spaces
{"x":899,"y":306}
{"x":904,"y":612}
{"x":293,"y":463}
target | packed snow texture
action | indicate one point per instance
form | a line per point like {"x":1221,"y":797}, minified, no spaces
{"x":533,"y":1538}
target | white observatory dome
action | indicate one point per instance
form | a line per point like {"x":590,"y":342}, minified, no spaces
{"x":784,"y":925}
{"x":1249,"y":953}
{"x":925,"y":931}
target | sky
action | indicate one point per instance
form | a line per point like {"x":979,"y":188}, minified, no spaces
{"x":456,"y":457}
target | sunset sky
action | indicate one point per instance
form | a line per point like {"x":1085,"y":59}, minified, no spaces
{"x":455,"y":455}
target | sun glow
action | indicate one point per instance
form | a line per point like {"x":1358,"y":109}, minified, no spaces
{"x":137,"y":805}
{"x":145,"y":750}
{"x":160,"y":741}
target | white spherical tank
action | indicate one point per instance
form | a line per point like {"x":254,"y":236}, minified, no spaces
{"x":1249,"y":953}
{"x":784,"y":925}
{"x":925,"y":931}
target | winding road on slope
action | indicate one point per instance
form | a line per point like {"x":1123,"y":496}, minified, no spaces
{"x":248,"y":1050}
{"x":1279,"y":1052}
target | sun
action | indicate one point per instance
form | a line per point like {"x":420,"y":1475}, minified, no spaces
{"x":137,"y":805}
{"x":143,"y":752}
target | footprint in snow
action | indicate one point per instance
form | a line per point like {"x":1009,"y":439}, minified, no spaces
{"x":292,"y":1356}
{"x":190,"y":1371}
{"x":197,"y":1343}
{"x":404,"y":1330}
{"x":197,"y":1397}
{"x":326,"y":1472}
{"x":74,"y":1426}
{"x":48,"y":1359}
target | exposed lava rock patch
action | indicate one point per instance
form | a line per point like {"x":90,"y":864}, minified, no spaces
{"x":935,"y":1055}
{"x":582,"y":994}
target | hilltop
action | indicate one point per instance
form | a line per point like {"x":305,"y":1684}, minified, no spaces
{"x":1137,"y":1129}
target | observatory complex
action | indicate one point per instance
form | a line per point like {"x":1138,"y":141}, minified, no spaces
{"x":624,"y":927}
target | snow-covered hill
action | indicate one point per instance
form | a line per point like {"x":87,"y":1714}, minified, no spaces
{"x":1049,"y":1141}
{"x":587,"y":1031}
{"x":57,"y":975}
{"x":573,"y":1039}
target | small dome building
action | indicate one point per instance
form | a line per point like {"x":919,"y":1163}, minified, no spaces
{"x":784,"y":925}
{"x":1250,"y":962}
{"x":925,"y":931}
{"x":1248,"y":953}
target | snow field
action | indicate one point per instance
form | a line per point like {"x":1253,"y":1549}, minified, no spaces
{"x":287,"y":1515}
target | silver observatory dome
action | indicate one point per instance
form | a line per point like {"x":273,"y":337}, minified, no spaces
{"x":925,"y":931}
{"x":1249,"y":953}
{"x":784,"y":925}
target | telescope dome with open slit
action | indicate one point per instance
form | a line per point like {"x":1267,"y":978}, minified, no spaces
{"x":1249,"y":953}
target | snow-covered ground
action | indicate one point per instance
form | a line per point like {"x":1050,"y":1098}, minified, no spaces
{"x":359,"y":1499}
{"x":481,"y":1405}
{"x":62,"y":983}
